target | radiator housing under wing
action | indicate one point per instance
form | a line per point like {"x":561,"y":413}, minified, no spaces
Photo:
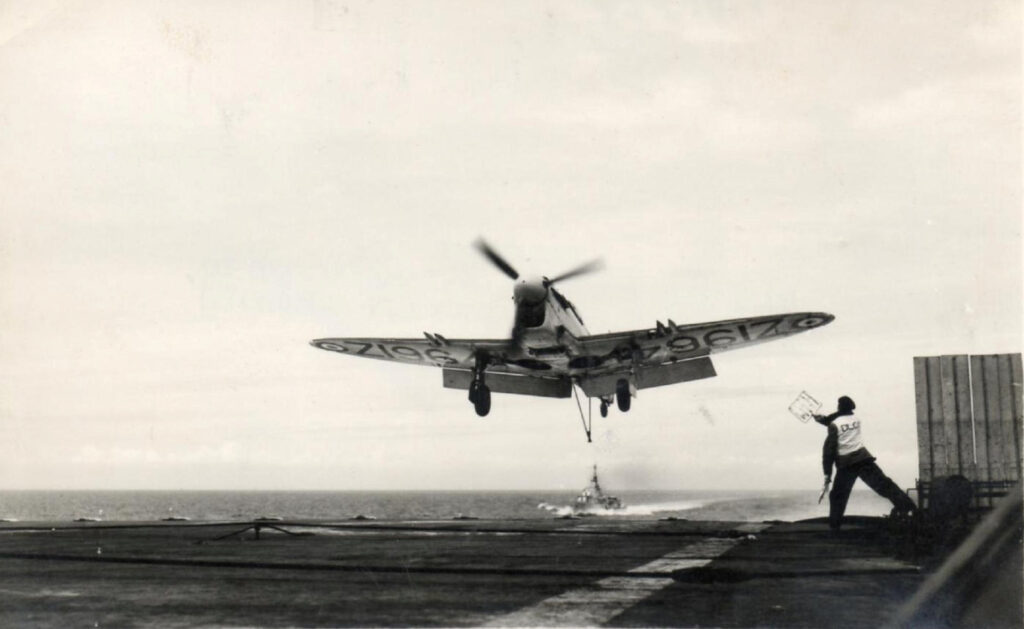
{"x":510,"y":383}
{"x":647,"y":377}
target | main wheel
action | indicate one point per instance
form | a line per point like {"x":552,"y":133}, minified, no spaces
{"x":482,"y":403}
{"x":622,"y":395}
{"x":604,"y":408}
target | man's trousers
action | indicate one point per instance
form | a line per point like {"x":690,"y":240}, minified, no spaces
{"x":873,"y":477}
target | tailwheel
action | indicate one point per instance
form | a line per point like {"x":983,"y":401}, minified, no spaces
{"x":481,"y":399}
{"x":622,"y":395}
{"x":604,"y":408}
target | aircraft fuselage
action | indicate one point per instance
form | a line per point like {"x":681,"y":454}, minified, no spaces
{"x":546,"y":323}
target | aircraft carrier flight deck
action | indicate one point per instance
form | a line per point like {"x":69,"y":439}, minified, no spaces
{"x":456,"y":573}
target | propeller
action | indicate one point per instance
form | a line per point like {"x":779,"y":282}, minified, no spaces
{"x":507,"y":269}
{"x":588,"y":267}
{"x":496,"y":259}
{"x":529,"y":294}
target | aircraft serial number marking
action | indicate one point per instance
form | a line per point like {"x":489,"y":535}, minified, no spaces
{"x":391,"y":352}
{"x":742,"y":333}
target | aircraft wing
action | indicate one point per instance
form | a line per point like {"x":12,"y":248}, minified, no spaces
{"x":457,"y":358}
{"x":672,"y":343}
{"x":669,"y":354}
{"x":658,"y":356}
{"x":432,"y":352}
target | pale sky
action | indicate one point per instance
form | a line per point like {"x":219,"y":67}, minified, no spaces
{"x":191,"y":191}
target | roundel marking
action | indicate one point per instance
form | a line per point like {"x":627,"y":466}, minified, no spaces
{"x":810,"y":322}
{"x":334,"y":347}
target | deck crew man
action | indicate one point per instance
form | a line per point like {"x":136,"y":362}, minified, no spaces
{"x":844,"y":449}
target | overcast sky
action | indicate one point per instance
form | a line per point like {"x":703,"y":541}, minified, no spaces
{"x":191,"y":191}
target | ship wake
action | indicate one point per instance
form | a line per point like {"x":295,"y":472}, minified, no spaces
{"x":631,"y":510}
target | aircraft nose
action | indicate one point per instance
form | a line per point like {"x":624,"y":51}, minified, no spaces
{"x":529,"y":292}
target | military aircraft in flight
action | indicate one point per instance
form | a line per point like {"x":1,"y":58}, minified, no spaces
{"x":550,"y":353}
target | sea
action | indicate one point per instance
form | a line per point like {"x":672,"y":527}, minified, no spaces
{"x":124,"y":505}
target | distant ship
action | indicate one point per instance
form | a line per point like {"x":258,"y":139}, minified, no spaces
{"x":593,"y":499}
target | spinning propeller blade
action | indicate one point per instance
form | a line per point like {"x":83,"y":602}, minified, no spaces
{"x":589,"y":267}
{"x":496,"y":259}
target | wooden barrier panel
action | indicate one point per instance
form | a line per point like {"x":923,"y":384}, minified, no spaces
{"x":980,"y":419}
{"x":940,"y":464}
{"x":964,"y":416}
{"x":1017,"y":395}
{"x":993,"y":432}
{"x":969,"y":417}
{"x":924,"y":427}
{"x":1009,"y":416}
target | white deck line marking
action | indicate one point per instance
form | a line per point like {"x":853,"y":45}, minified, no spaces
{"x":602,"y":600}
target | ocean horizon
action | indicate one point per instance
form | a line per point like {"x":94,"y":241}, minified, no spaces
{"x":204,"y":505}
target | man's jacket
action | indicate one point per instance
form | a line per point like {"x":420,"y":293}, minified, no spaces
{"x":843,"y":446}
